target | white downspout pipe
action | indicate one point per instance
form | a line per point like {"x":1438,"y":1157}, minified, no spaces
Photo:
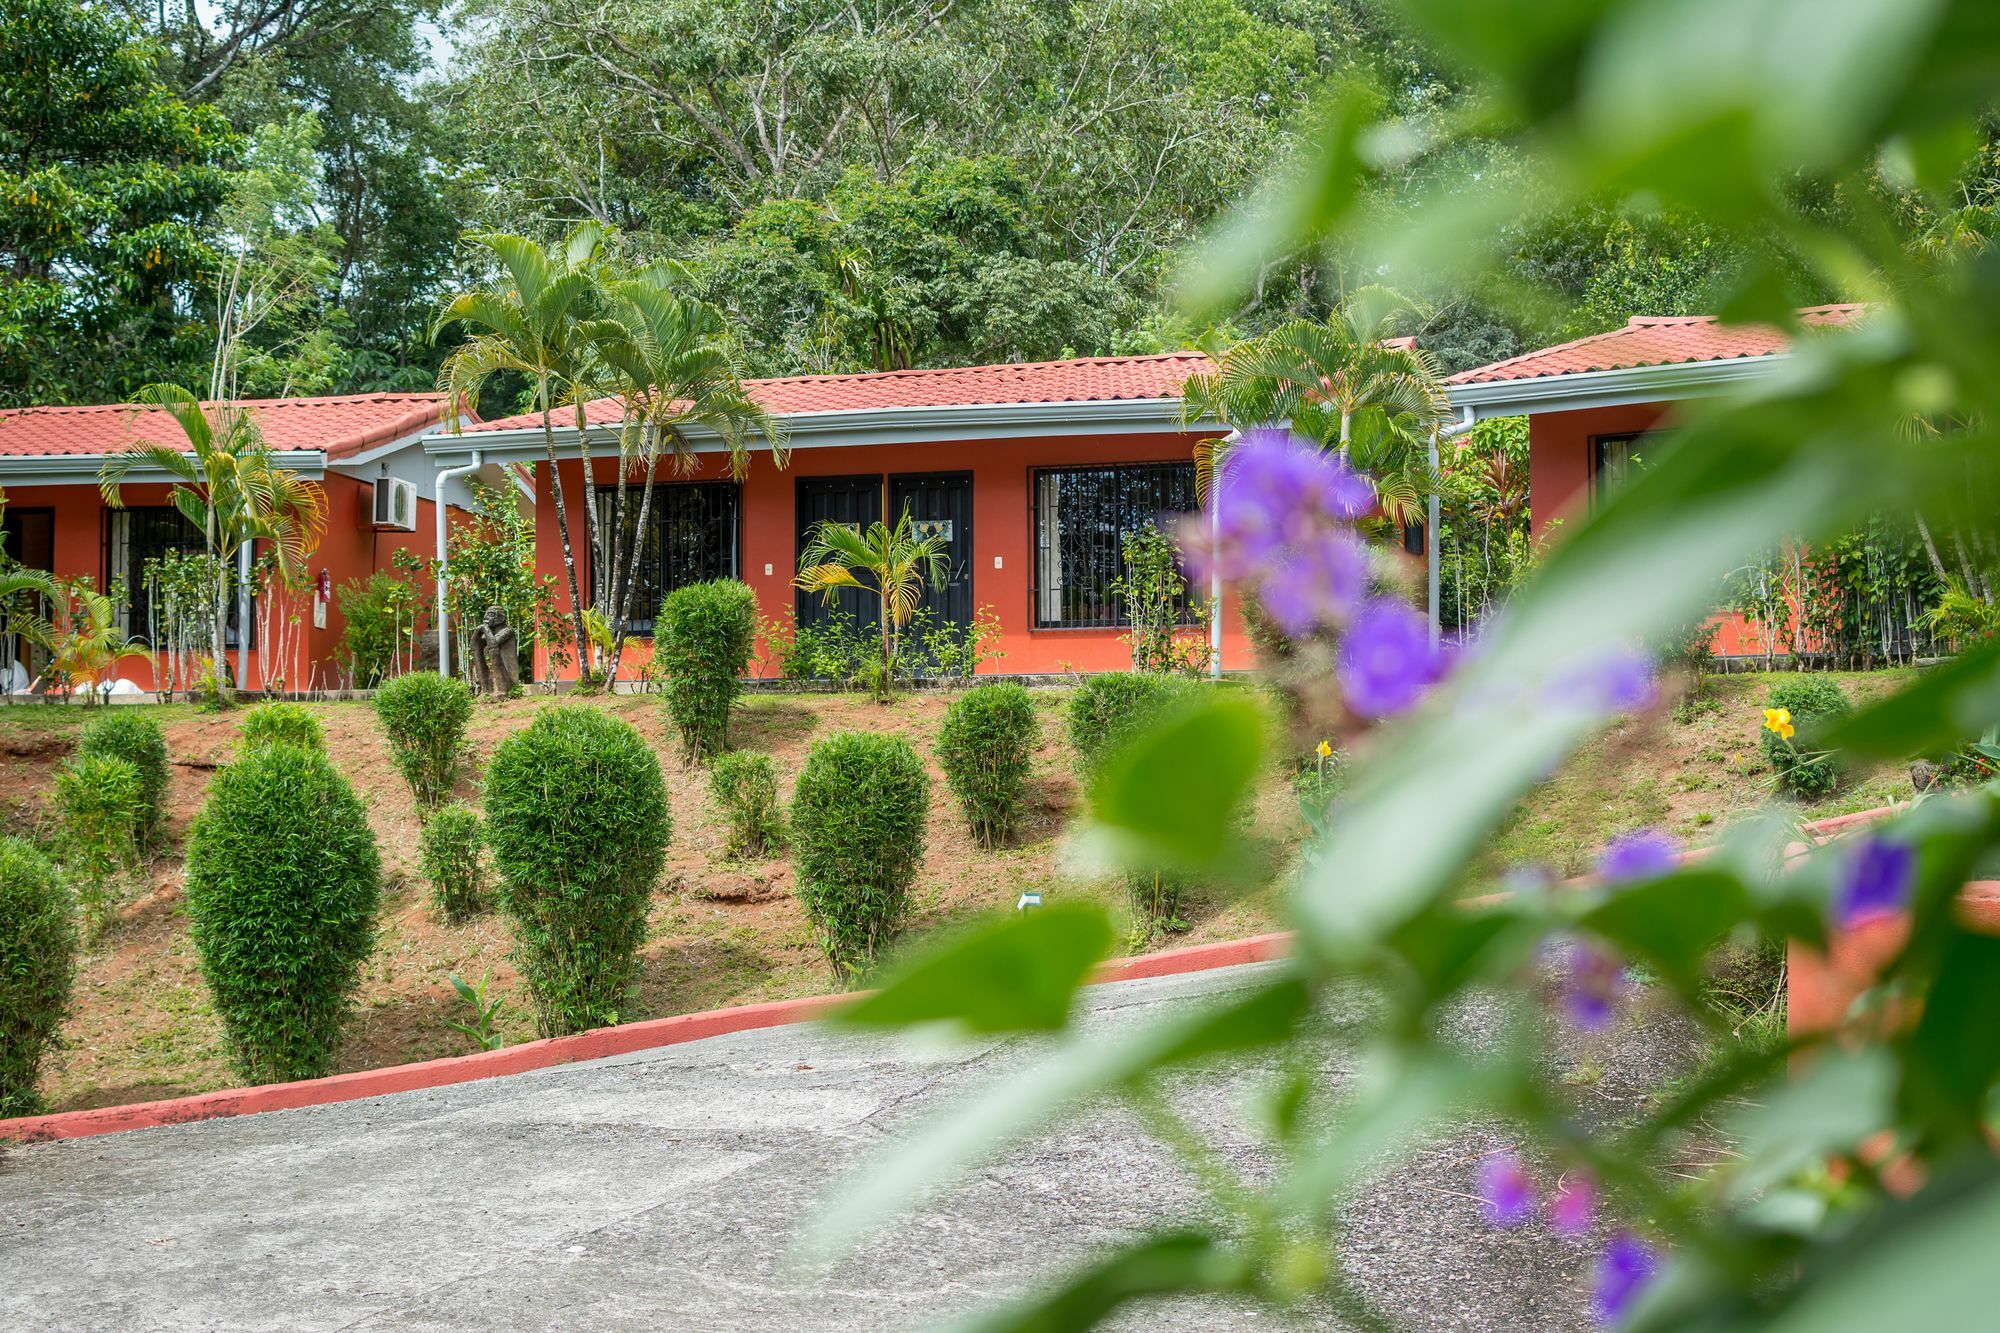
{"x":1463,"y":425}
{"x":1215,"y":569}
{"x":243,"y":557}
{"x":439,"y":506}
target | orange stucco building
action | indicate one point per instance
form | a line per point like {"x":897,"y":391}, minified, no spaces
{"x":1032,"y":473}
{"x":352,"y":445}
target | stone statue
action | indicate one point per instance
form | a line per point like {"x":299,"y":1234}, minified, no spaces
{"x":496,"y":666}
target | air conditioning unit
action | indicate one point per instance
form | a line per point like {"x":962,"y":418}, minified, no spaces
{"x":396,"y":504}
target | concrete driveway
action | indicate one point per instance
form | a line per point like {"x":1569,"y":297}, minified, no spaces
{"x":661,"y":1190}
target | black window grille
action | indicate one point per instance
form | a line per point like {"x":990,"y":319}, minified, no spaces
{"x":1082,"y":517}
{"x":691,"y":537}
{"x":142,"y":533}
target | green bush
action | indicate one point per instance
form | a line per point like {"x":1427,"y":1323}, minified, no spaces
{"x":576,"y":815}
{"x":985,"y":746}
{"x":452,"y":845}
{"x":282,"y":724}
{"x":128,"y":734}
{"x":705,"y":636}
{"x":1108,"y":711}
{"x":100,"y":806}
{"x":858,"y":820}
{"x":1802,"y":770}
{"x":38,"y":944}
{"x":380,"y":619}
{"x":745,"y":787}
{"x":425,"y":715}
{"x":283,"y":880}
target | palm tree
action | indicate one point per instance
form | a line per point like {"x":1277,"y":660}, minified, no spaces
{"x":671,"y":363}
{"x":22,"y":592}
{"x":893,"y":563}
{"x":87,"y":643}
{"x":226,"y":483}
{"x":1342,"y":383}
{"x":529,"y":321}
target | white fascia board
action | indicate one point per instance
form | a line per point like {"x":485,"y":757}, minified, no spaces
{"x":864,"y":426}
{"x":1610,"y":388}
{"x":397,"y":445}
{"x":82,"y":469}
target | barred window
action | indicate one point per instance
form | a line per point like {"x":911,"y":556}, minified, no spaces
{"x":142,"y":533}
{"x":1082,"y":517}
{"x":690,"y":538}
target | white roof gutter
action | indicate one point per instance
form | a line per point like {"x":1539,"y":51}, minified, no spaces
{"x":82,"y":469}
{"x":863,"y":426}
{"x":1584,"y":389}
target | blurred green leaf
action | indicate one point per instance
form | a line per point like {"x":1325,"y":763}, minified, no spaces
{"x":1182,"y":1261}
{"x":1950,"y":1060}
{"x":1920,"y":1263}
{"x":1018,"y":975}
{"x":1842,"y":1098}
{"x":1947,"y":705}
{"x":1079,"y":1067}
{"x":1175,"y":794}
{"x":1673,"y":922}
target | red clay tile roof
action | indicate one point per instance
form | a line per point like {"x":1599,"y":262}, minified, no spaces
{"x":1081,"y":380}
{"x":1655,"y":340}
{"x":341,"y":426}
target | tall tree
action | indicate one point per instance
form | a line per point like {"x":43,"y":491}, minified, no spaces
{"x":671,"y":362}
{"x":529,"y":320}
{"x":108,"y":187}
{"x":1345,"y":383}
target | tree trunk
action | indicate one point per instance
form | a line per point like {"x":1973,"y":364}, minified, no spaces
{"x":562,"y":527}
{"x":649,"y":455}
{"x":591,"y":525}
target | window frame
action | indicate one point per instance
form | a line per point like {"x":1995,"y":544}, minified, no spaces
{"x":732,"y":550}
{"x":134,"y":588}
{"x":1039,"y":549}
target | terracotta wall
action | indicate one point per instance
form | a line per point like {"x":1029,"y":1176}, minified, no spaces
{"x":350,"y":550}
{"x":1002,"y":530}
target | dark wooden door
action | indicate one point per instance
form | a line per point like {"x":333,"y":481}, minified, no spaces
{"x":941,"y":503}
{"x":857,"y":502}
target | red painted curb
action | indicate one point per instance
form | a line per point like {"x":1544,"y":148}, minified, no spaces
{"x":624,"y":1039}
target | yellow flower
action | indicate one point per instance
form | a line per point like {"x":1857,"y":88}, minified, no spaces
{"x":1779,"y":720}
{"x":1325,"y":750}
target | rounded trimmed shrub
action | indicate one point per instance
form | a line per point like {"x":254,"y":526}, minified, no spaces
{"x":278,"y":723}
{"x":745,"y":787}
{"x":1814,"y":700}
{"x":128,"y":734}
{"x":577,"y":818}
{"x":452,"y":847}
{"x":98,"y":801}
{"x":424,"y":716}
{"x":283,"y":881}
{"x":38,"y":945}
{"x":704,"y":639}
{"x":858,"y":826}
{"x":1111,"y":709}
{"x":986,"y":746}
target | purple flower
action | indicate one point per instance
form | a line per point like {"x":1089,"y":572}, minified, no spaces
{"x":1619,"y":682}
{"x":1595,"y":984}
{"x":1623,"y":1271}
{"x":1644,"y":854}
{"x":1506,"y":1191}
{"x":1318,"y":585}
{"x":1386,"y":659}
{"x":1573,"y":1203}
{"x":1876,"y":881}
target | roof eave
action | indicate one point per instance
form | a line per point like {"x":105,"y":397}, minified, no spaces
{"x":82,"y":469}
{"x":864,"y":426}
{"x":1580,"y":390}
